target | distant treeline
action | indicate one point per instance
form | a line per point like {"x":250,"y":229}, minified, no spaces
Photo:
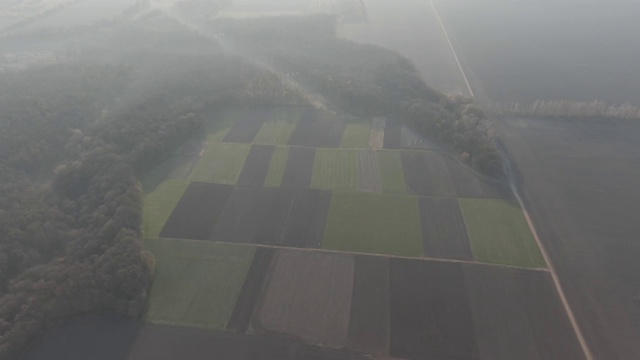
{"x":366,"y":80}
{"x":570,"y":109}
{"x":71,"y":151}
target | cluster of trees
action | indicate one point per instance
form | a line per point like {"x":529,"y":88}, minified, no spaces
{"x":367,"y":80}
{"x":571,"y":109}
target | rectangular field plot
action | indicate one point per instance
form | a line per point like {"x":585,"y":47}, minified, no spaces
{"x":392,"y":134}
{"x":197,"y":211}
{"x":426,"y":173}
{"x":309,"y":296}
{"x":391,"y":172}
{"x":335,"y":169}
{"x":256,"y":167}
{"x":277,"y":166}
{"x":196,"y":283}
{"x":299,"y":168}
{"x":318,"y":128}
{"x":248,"y":122}
{"x":430,"y":314}
{"x":443,"y":230}
{"x":499,"y":233}
{"x":274,"y":216}
{"x":159,"y":204}
{"x":369,"y":170}
{"x":221,"y":163}
{"x":219,"y":125}
{"x":356,"y":135}
{"x":369,"y":325}
{"x":374,"y":223}
{"x":278,"y":128}
{"x":376,"y":139}
{"x":503,"y":328}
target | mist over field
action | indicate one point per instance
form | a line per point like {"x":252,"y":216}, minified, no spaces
{"x":326,"y":179}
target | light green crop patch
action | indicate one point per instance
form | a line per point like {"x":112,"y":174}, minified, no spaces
{"x":159,"y":204}
{"x":279,"y":128}
{"x":196,"y":283}
{"x":499,"y":233}
{"x":219,"y":126}
{"x":356,"y":135}
{"x":374,"y":223}
{"x":221,"y":163}
{"x":277,"y":166}
{"x":391,"y":171}
{"x":335,"y":169}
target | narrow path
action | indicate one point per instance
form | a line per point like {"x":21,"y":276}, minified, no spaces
{"x":453,"y":50}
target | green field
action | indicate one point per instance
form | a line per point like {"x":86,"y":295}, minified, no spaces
{"x":278,"y":129}
{"x":221,"y":163}
{"x":356,"y":135}
{"x":374,"y":223}
{"x":159,"y":204}
{"x":391,"y":171}
{"x":276,"y":166}
{"x":196,"y":283}
{"x":335,"y":169}
{"x":499,"y":233}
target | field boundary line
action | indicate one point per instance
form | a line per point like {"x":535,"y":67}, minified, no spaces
{"x":453,"y":50}
{"x":556,"y":280}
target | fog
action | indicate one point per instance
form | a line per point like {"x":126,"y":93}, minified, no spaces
{"x":160,"y":158}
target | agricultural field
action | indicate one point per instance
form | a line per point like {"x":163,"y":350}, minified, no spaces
{"x":280,"y":125}
{"x":159,"y":204}
{"x":582,"y":194}
{"x":374,"y":223}
{"x":221,"y":163}
{"x":391,"y":171}
{"x":196,"y":283}
{"x":426,"y":173}
{"x":336,"y":169}
{"x":356,"y":135}
{"x":499,"y":233}
{"x":277,"y":166}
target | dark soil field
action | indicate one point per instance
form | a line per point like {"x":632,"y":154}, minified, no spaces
{"x":369,"y":324}
{"x":426,"y":173}
{"x":251,"y":289}
{"x":256,"y":166}
{"x":392,"y":134}
{"x":246,"y":128}
{"x":370,"y":179}
{"x":580,"y":183}
{"x":280,"y":216}
{"x":299,"y":169}
{"x":443,"y":229}
{"x":162,"y":342}
{"x":318,"y":128}
{"x":430,"y":314}
{"x":104,"y":337}
{"x":308,"y":296}
{"x":197,"y":211}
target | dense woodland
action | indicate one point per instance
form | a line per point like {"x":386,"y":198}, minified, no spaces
{"x":76,"y":136}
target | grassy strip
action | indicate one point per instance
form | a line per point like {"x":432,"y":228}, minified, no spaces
{"x":499,"y":233}
{"x":221,"y":163}
{"x":391,"y":171}
{"x":159,"y":204}
{"x":276,"y":166}
{"x":196,"y":283}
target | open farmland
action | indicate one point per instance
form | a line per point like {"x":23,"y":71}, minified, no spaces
{"x":277,"y":166}
{"x":499,"y":233}
{"x":196,"y":212}
{"x":309,"y":296}
{"x":221,"y":163}
{"x":279,"y":126}
{"x":426,"y":173}
{"x":356,"y":135}
{"x":579,"y":181}
{"x":336,"y":169}
{"x":318,"y":128}
{"x":373,"y":223}
{"x":391,"y":171}
{"x":256,"y":167}
{"x":443,"y":229}
{"x":159,"y":204}
{"x":196,"y":283}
